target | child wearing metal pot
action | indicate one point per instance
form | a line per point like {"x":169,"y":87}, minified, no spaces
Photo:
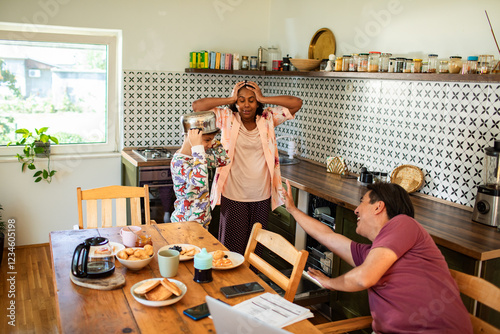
{"x":189,"y":166}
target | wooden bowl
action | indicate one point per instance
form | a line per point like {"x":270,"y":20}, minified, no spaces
{"x":305,"y":65}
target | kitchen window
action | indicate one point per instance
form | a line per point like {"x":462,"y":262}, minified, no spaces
{"x":66,"y":79}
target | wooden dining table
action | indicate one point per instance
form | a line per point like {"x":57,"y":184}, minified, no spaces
{"x":85,"y":310}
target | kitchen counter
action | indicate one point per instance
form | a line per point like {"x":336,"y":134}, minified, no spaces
{"x":137,"y":161}
{"x":449,"y":224}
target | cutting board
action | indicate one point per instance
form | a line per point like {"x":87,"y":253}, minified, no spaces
{"x":114,"y":281}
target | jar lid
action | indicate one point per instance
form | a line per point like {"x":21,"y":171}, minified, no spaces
{"x":410,"y":59}
{"x":455,"y":57}
{"x":347,"y":56}
{"x":472,"y":58}
{"x":253,"y":57}
{"x":375,"y":52}
{"x":393,"y":58}
{"x":443,"y":61}
{"x":400,"y":58}
{"x":363,"y":54}
{"x":417,"y":59}
{"x":244,"y":57}
{"x":203,"y":260}
{"x":433,"y":55}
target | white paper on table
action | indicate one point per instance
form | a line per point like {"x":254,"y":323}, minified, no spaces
{"x":274,"y":310}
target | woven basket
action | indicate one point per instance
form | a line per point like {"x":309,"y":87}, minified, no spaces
{"x":411,"y":178}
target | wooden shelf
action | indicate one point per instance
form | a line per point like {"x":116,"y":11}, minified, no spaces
{"x":361,"y":75}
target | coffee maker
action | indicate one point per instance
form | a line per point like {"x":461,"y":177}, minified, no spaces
{"x":487,"y":207}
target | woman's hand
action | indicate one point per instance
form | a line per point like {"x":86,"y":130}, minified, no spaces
{"x":234,"y":94}
{"x":252,"y":86}
{"x":195,"y":137}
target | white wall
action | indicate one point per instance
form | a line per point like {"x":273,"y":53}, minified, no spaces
{"x":159,"y":34}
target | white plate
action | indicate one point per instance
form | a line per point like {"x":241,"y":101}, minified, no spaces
{"x":236,"y":258}
{"x":114,"y":245}
{"x":174,"y":299}
{"x":182,"y":257}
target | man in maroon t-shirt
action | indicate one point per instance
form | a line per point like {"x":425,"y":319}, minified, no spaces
{"x":410,"y":289}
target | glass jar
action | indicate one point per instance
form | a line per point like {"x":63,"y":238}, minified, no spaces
{"x":433,"y":63}
{"x":322,"y":65}
{"x":244,"y":63}
{"x":416,"y":67}
{"x":338,"y":64}
{"x":455,"y":64}
{"x":470,"y":66}
{"x":400,"y":64}
{"x":263,"y":66}
{"x":253,"y":63}
{"x":407,"y":66}
{"x":392,"y":65}
{"x":346,"y":61}
{"x":384,"y":62}
{"x":273,"y":58}
{"x":144,"y":239}
{"x":443,"y":66}
{"x":363,"y":62}
{"x":353,"y":66}
{"x":425,"y":67}
{"x":373,"y":60}
{"x":485,"y":62}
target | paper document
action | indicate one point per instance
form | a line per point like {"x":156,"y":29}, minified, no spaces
{"x":274,"y":310}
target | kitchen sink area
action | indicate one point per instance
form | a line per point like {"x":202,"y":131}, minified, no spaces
{"x":284,"y":160}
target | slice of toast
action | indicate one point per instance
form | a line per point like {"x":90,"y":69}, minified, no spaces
{"x":158,"y":294}
{"x":146,"y":286}
{"x":171,"y":286}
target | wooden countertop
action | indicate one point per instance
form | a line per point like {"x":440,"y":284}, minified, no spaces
{"x":449,"y":225}
{"x":137,"y":161}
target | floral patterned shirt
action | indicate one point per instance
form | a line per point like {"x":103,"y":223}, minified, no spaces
{"x":190,"y":178}
{"x":229,"y":122}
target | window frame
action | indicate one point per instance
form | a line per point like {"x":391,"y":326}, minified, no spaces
{"x":111,"y":38}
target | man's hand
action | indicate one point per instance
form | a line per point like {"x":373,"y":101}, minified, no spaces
{"x":288,"y":197}
{"x":319,"y":276}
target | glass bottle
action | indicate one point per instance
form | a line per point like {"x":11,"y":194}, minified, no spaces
{"x":433,"y":63}
{"x":363,"y":62}
{"x":373,"y":60}
{"x":455,"y":64}
{"x":443,"y":66}
{"x":346,"y":61}
{"x":244,"y":63}
{"x":384,"y":62}
{"x":416,"y":66}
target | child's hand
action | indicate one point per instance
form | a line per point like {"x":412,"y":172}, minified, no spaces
{"x":195,"y":137}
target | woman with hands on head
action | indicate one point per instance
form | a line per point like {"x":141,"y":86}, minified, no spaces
{"x":250,"y":186}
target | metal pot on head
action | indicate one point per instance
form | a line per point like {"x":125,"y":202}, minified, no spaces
{"x":204,"y":120}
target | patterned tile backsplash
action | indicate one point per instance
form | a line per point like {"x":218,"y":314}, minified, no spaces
{"x":441,"y":127}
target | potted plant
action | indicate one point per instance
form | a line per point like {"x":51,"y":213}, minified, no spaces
{"x":36,"y":145}
{"x":2,"y":234}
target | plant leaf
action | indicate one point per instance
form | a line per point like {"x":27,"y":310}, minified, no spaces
{"x":39,"y":149}
{"x":44,"y":138}
{"x":37,"y":173}
{"x":54,"y":139}
{"x":38,"y":179}
{"x":31,"y":166}
{"x":42,"y":130}
{"x":45,"y":174}
{"x":23,"y":131}
{"x":52,"y":173}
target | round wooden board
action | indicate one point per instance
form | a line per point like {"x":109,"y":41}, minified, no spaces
{"x":322,"y":44}
{"x":114,"y":281}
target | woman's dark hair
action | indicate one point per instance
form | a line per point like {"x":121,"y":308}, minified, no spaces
{"x":259,"y":111}
{"x":396,"y":199}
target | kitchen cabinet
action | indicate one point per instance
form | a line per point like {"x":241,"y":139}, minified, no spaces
{"x":360,"y":75}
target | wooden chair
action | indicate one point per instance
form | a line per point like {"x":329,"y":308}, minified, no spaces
{"x":474,"y":287}
{"x":106,"y":195}
{"x":282,"y":247}
{"x":483,"y":292}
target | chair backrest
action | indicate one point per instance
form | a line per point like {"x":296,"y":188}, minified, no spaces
{"x":282,"y":247}
{"x":483,"y":292}
{"x":106,"y":195}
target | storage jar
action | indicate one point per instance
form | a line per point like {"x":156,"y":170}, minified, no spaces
{"x":416,"y":66}
{"x":254,"y":63}
{"x":384,"y":62}
{"x":400,"y":64}
{"x":470,"y":66}
{"x":363,"y":62}
{"x":353,"y":66}
{"x":244,"y":63}
{"x":425,"y":67}
{"x":443,"y":66}
{"x":263,"y":66}
{"x":455,"y":64}
{"x":346,"y":61}
{"x":485,"y":64}
{"x":373,"y":60}
{"x":392,"y":65}
{"x":338,"y":64}
{"x":407,"y":66}
{"x":433,"y":63}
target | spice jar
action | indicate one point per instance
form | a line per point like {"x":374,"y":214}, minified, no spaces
{"x":443,"y":66}
{"x":455,"y":64}
{"x":416,"y":66}
{"x":470,"y":66}
{"x":425,"y":67}
{"x":400,"y":63}
{"x":143,"y":239}
{"x":407,"y":66}
{"x":373,"y":60}
{"x":384,"y":62}
{"x":346,"y":61}
{"x":353,"y":65}
{"x":363,"y":62}
{"x":392,"y":65}
{"x":244,"y":63}
{"x":253,"y":63}
{"x":484,"y":65}
{"x":433,"y":63}
{"x":338,"y":64}
{"x":263,"y":66}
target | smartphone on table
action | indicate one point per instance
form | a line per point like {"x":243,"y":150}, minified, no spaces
{"x":241,"y":289}
{"x":197,"y":312}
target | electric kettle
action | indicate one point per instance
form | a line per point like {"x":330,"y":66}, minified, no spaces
{"x":93,"y":259}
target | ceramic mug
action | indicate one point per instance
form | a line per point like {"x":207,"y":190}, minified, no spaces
{"x":168,"y":262}
{"x":129,"y":238}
